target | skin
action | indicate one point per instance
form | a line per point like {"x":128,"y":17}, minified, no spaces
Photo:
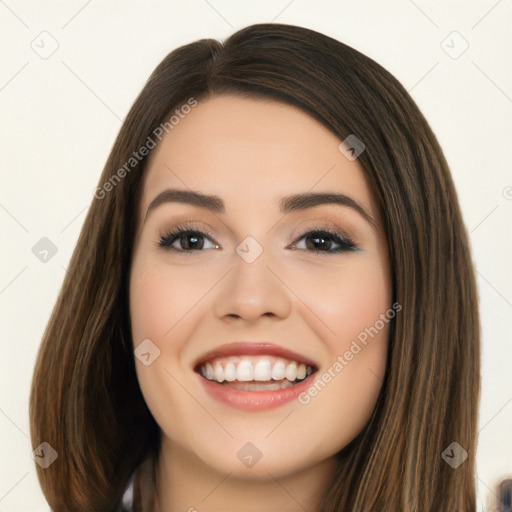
{"x":250,"y":153}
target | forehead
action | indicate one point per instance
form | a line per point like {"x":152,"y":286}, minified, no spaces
{"x":251,"y":151}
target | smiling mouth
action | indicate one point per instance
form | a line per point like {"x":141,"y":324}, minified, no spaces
{"x":255,"y":373}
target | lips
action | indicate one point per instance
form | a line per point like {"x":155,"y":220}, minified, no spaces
{"x":254,"y":375}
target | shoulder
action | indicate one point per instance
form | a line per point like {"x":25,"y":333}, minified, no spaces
{"x":126,"y":504}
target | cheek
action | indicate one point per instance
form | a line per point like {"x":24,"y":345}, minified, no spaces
{"x":155,"y":310}
{"x":344,"y":393}
{"x":159,"y":302}
{"x":346,"y":299}
{"x":150,"y":305}
{"x":160,"y":299}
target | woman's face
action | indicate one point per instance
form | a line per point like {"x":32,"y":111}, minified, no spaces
{"x":259,"y":295}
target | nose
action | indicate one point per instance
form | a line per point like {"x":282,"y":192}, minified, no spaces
{"x":252,"y":290}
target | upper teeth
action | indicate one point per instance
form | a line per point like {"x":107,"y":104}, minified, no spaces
{"x":254,"y":369}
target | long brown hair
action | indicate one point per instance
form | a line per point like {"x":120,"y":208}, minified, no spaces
{"x":85,"y":400}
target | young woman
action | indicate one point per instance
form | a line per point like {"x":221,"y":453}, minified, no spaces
{"x":271,"y":305}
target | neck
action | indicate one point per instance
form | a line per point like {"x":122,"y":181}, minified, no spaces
{"x":185,"y":483}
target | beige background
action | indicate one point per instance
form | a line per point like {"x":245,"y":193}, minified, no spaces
{"x":60,"y":113}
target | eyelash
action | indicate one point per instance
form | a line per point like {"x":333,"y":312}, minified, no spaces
{"x":345,"y":243}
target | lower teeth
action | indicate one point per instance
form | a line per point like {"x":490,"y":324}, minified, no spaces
{"x":257,"y":386}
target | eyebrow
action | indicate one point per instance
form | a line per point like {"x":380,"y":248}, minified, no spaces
{"x":288,"y":204}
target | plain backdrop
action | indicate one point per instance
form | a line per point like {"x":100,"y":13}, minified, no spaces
{"x":61,"y":111}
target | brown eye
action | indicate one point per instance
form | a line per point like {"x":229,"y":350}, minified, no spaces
{"x":188,"y":240}
{"x":327,"y":242}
